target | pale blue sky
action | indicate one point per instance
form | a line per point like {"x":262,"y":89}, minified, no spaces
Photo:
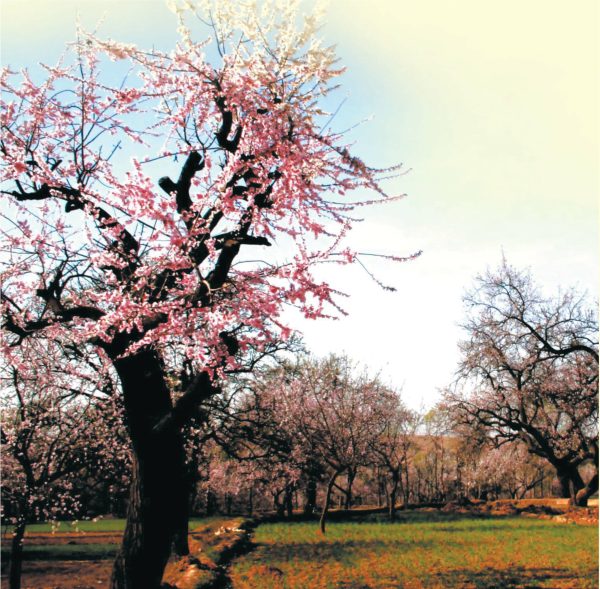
{"x":493,"y":106}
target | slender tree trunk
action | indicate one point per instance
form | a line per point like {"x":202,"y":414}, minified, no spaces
{"x":327,"y":501}
{"x":211,"y":506}
{"x":348,"y":492}
{"x":406,"y":485}
{"x":251,"y":501}
{"x":279,"y":505}
{"x":157,"y":514}
{"x":16,"y":555}
{"x":393,"y":494}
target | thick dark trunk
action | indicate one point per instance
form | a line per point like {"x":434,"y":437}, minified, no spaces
{"x":564,"y":485}
{"x":279,"y":505}
{"x":311,"y":497}
{"x":16,"y":556}
{"x":582,"y":496}
{"x":327,"y":501}
{"x":570,"y":483}
{"x":157,"y":514}
{"x":288,"y":501}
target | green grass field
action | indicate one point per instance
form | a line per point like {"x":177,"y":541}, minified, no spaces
{"x":422,"y":550}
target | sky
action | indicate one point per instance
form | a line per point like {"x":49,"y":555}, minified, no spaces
{"x":492,"y":109}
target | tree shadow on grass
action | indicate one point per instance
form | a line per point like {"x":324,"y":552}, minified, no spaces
{"x":336,"y":550}
{"x":513,"y":578}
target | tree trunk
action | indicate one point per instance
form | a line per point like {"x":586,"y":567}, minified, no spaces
{"x":251,"y":501}
{"x":379,"y":489}
{"x":311,"y":496}
{"x":582,"y":496}
{"x":211,"y":503}
{"x":393,"y":493}
{"x":571,"y":485}
{"x":348,"y":491}
{"x":288,"y":501}
{"x":564,"y":484}
{"x":327,"y":501}
{"x":406,"y":486}
{"x":157,"y":514}
{"x":16,"y":555}
{"x":279,"y":505}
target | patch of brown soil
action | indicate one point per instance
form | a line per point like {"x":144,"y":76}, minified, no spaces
{"x":65,"y":574}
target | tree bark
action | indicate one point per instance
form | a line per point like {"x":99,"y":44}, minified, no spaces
{"x":571,"y":484}
{"x":564,"y":484}
{"x":279,"y":505}
{"x":406,"y":485}
{"x":250,"y":501}
{"x":379,"y":489}
{"x":582,"y":496}
{"x":393,"y":494}
{"x":288,"y":501}
{"x":16,"y":555}
{"x":348,"y":490}
{"x":157,"y":514}
{"x":311,"y":496}
{"x":211,"y":503}
{"x":327,"y":501}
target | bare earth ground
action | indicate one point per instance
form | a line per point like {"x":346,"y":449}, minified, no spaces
{"x":92,"y":574}
{"x":66,"y":574}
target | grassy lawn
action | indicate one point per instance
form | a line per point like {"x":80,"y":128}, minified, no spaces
{"x":422,"y":550}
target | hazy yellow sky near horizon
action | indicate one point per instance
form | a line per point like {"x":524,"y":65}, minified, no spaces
{"x":494,"y":107}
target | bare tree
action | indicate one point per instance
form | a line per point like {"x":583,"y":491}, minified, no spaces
{"x":529,"y":372}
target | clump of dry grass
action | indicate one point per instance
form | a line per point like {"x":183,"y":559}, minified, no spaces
{"x":211,"y":544}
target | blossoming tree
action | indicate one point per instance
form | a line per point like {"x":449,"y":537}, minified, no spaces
{"x":391,"y":449}
{"x":324,"y":413}
{"x":529,"y":372}
{"x":55,"y":429}
{"x":149,"y":275}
